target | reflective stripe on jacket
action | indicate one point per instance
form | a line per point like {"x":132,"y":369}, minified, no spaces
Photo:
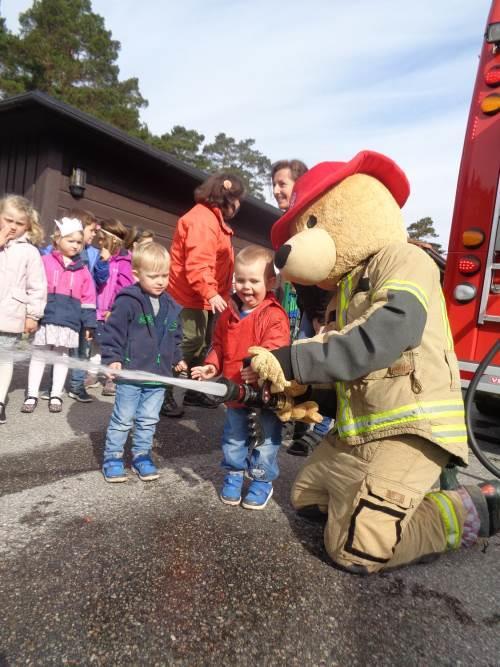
{"x":71,"y":297}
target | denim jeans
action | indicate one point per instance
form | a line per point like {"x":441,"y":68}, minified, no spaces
{"x":263,"y":464}
{"x":77,"y":376}
{"x":307,"y":331}
{"x":133,"y":403}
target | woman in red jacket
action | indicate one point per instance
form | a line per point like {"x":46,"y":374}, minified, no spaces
{"x":201,"y":269}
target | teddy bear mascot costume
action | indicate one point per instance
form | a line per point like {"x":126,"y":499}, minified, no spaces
{"x":399,"y":414}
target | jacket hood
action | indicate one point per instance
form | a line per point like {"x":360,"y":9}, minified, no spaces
{"x":24,"y":238}
{"x":218,"y":214}
{"x":235,"y":304}
{"x":122,"y":256}
{"x":75,"y":265}
{"x":137,"y":293}
{"x":132,"y":290}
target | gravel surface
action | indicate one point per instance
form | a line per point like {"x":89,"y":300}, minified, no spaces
{"x":164,"y":574}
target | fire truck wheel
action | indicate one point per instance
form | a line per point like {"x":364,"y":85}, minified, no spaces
{"x":488,"y":405}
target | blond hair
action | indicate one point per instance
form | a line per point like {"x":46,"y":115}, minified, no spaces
{"x":34,"y":230}
{"x":254,"y":253}
{"x":152,"y":256}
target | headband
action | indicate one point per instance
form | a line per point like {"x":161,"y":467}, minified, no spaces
{"x":101,"y":229}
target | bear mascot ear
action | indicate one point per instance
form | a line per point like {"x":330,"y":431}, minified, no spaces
{"x":341,"y":213}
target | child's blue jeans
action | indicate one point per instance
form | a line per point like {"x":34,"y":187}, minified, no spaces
{"x":133,"y":403}
{"x":263,"y":464}
{"x":307,"y":331}
{"x":77,"y":376}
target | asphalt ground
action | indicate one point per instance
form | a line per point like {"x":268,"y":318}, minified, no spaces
{"x":163,"y":573}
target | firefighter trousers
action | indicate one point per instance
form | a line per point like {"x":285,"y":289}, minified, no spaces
{"x":380,"y":514}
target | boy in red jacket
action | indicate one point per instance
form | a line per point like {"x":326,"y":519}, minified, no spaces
{"x":253,"y":317}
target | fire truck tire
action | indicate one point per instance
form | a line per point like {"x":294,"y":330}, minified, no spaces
{"x":488,"y":405}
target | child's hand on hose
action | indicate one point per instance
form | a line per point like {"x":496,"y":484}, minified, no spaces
{"x":89,"y":334}
{"x":181,"y":366}
{"x":115,"y":366}
{"x":203,"y":372}
{"x":249,"y":376}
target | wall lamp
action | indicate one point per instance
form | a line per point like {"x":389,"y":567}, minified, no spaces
{"x":77,"y":182}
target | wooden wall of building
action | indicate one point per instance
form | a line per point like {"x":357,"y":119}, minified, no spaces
{"x":121,"y":183}
{"x":19,"y":164}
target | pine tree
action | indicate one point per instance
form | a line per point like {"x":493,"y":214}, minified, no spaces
{"x":64,"y":49}
{"x":422,"y":230}
{"x":241,"y":156}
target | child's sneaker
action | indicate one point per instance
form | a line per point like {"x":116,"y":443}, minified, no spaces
{"x":109,"y":388}
{"x":91,"y":381}
{"x":170,"y":407}
{"x":259,"y":494}
{"x":305,"y":445}
{"x":114,"y":470}
{"x":231,"y":489}
{"x":81,"y":395}
{"x":144,"y":468}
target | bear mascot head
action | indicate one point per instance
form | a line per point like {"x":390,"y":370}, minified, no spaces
{"x":341,"y":213}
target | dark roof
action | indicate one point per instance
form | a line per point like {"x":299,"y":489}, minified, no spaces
{"x":71,"y":113}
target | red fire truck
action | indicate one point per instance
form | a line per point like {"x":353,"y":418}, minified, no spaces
{"x":472,"y":275}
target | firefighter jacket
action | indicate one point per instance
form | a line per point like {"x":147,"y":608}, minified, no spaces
{"x":391,"y":356}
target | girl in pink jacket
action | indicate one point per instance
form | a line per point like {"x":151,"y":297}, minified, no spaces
{"x":23,"y":287}
{"x":70,"y":308}
{"x":112,"y":272}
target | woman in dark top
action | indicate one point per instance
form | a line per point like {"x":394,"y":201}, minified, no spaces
{"x":312,"y":303}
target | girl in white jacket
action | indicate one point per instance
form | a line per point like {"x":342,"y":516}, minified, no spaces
{"x":23,"y":286}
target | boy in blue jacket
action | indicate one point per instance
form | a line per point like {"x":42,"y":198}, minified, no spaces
{"x":142,"y":333}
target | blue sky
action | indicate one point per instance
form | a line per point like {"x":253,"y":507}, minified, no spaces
{"x":317,"y":80}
